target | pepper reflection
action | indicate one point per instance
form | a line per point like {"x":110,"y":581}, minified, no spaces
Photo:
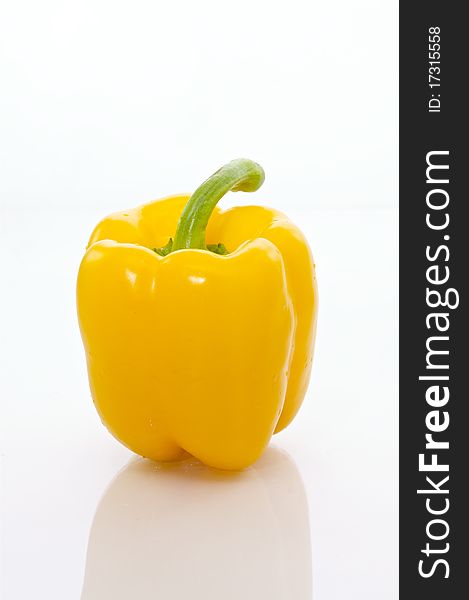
{"x":180,"y":531}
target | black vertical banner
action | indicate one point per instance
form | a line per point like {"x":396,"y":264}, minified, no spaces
{"x":434,"y":268}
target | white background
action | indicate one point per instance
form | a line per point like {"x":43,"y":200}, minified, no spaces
{"x":106,"y":105}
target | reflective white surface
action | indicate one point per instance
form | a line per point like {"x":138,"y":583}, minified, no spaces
{"x":186,"y":531}
{"x":74,"y":518}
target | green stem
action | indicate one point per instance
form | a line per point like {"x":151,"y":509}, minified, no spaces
{"x":241,"y":174}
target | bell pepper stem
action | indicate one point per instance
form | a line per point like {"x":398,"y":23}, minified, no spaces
{"x":241,"y":174}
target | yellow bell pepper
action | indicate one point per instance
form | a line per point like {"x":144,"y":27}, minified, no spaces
{"x":201,"y":345}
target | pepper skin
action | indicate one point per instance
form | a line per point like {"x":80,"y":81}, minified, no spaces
{"x":189,"y":350}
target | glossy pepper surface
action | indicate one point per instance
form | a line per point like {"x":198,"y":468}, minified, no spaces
{"x":202,"y":344}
